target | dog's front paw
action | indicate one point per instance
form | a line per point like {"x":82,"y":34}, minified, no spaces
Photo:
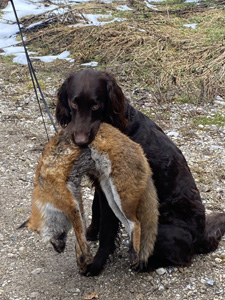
{"x":93,"y":269}
{"x":141,"y":267}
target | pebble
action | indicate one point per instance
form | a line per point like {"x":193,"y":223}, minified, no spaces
{"x":34,"y":295}
{"x":1,"y":237}
{"x":37,"y":271}
{"x":222,"y":256}
{"x":210,"y":282}
{"x":27,"y":100}
{"x":203,"y":280}
{"x":11,"y":255}
{"x":173,"y":133}
{"x":188,"y":287}
{"x":73,"y":290}
{"x":218,"y":260}
{"x":140,"y":296}
{"x":161,"y":271}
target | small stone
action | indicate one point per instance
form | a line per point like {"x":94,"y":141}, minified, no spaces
{"x":36,"y":271}
{"x":73,"y":290}
{"x":21,"y":249}
{"x":210,"y":282}
{"x":203,"y":280}
{"x":222,"y":256}
{"x":161,"y":271}
{"x":161,"y":288}
{"x":11,"y":255}
{"x":27,"y":100}
{"x":188,"y":287}
{"x":34,"y":295}
{"x":140,"y":296}
{"x":173,"y":133}
{"x":1,"y":237}
{"x":218,"y":260}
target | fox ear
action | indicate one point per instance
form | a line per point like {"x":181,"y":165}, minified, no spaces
{"x":23,"y":225}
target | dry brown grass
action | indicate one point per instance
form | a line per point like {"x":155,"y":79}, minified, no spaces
{"x":152,"y":49}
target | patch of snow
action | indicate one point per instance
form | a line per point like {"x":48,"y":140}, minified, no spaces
{"x":192,"y":1}
{"x":93,"y":20}
{"x":150,"y":5}
{"x":24,"y":8}
{"x":124,"y":7}
{"x":90,"y":64}
{"x":9,"y":28}
{"x":50,"y":58}
{"x":193,"y":26}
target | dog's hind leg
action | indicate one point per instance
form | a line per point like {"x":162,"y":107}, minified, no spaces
{"x":93,"y":229}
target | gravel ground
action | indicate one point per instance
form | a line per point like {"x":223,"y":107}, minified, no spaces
{"x":30,"y":269}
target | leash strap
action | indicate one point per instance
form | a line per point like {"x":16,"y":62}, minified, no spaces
{"x":34,"y":77}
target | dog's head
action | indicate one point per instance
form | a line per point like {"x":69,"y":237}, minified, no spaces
{"x":86,"y":99}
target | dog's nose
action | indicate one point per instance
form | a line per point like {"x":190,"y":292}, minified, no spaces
{"x":81,"y":139}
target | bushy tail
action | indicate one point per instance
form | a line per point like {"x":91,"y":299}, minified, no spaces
{"x":214,"y":230}
{"x":148,"y":217}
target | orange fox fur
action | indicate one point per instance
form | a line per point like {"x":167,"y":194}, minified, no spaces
{"x":125,"y":177}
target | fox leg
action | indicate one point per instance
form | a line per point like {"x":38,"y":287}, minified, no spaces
{"x":83,"y":254}
{"x":74,"y":211}
{"x":135,"y":244}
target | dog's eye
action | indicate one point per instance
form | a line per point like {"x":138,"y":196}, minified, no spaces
{"x":74,"y":105}
{"x":96,"y":106}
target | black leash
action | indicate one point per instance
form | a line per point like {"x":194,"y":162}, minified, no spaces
{"x":34,"y":78}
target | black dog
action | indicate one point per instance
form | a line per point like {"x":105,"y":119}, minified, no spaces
{"x":88,"y":98}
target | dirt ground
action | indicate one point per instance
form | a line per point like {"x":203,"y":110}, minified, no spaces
{"x":30,"y":269}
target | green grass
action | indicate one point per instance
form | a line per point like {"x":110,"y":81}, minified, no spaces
{"x":217,"y":119}
{"x":6,"y":59}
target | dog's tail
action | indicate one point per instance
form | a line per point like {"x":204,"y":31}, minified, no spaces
{"x":214,"y":230}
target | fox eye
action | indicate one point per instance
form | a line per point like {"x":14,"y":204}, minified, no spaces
{"x":95,"y":107}
{"x":74,"y":105}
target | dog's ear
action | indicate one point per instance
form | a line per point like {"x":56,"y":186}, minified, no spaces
{"x":62,"y":113}
{"x":115,"y":111}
